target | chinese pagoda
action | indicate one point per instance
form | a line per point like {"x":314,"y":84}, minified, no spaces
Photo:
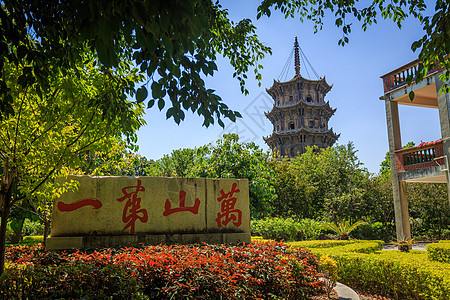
{"x":300,"y":114}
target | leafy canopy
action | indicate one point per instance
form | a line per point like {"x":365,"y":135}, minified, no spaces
{"x":434,"y":45}
{"x":82,"y":110}
{"x":173,"y":43}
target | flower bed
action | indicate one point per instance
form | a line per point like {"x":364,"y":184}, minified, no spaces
{"x":259,"y":270}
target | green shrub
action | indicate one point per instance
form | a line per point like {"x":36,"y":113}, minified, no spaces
{"x":446,"y":233}
{"x":32,"y":228}
{"x":390,"y":273}
{"x":396,"y":274}
{"x":286,"y":229}
{"x":374,"y":231}
{"x":439,"y":251}
{"x":310,"y":229}
{"x":276,"y":229}
{"x":340,"y":247}
{"x":68,"y":281}
{"x":321,"y":243}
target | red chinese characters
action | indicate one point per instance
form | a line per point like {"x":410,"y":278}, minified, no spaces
{"x":227,"y":211}
{"x":132,"y":211}
{"x":194,"y":209}
{"x":95,"y":203}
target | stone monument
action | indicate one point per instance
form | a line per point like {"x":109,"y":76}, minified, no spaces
{"x":119,"y":211}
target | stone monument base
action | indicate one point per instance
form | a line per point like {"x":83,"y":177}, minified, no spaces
{"x":101,"y":241}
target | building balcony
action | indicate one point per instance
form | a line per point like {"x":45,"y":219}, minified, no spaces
{"x":428,"y":162}
{"x":395,"y":85}
{"x":424,"y":163}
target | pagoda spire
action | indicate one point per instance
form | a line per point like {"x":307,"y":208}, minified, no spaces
{"x":297,"y":59}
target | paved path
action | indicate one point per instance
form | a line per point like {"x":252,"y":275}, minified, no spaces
{"x":417,"y":246}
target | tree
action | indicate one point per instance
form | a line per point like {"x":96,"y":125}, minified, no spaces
{"x":227,"y":158}
{"x":116,"y":160}
{"x":291,"y":192}
{"x":230,"y":159}
{"x":51,"y":128}
{"x":380,"y":199}
{"x":334,"y":181}
{"x":434,"y":46}
{"x":183,"y":160}
{"x":429,"y":209}
{"x":171,"y":42}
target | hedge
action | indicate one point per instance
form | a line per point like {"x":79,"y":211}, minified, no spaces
{"x":340,"y":246}
{"x":439,"y":251}
{"x":390,"y":273}
{"x":396,"y":274}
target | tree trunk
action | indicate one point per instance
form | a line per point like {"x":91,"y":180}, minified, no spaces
{"x":18,"y":232}
{"x":5,"y":213}
{"x":5,"y":207}
{"x":46,"y":230}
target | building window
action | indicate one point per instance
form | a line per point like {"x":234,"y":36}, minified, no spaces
{"x":309,"y":98}
{"x":311,"y":124}
{"x":291,"y":125}
{"x":291,"y":98}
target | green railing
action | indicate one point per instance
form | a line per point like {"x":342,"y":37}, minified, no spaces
{"x":397,"y":78}
{"x":422,"y":156}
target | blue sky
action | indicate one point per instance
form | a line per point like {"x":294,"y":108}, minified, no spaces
{"x":353,"y":70}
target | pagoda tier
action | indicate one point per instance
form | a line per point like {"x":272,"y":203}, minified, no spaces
{"x":293,"y":142}
{"x":300,"y":115}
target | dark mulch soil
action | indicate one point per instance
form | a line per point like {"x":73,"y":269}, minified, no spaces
{"x":333,"y":296}
{"x":363,"y":296}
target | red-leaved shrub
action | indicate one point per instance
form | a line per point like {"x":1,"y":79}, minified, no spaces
{"x":249,"y":271}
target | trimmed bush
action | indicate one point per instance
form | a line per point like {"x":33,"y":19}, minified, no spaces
{"x":340,"y":247}
{"x":321,"y":243}
{"x":264,"y":270}
{"x":395,"y":274}
{"x":439,"y":251}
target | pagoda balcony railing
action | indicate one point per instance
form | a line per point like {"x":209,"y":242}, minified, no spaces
{"x":292,"y":103}
{"x":314,"y":129}
{"x":397,"y":78}
{"x":423,"y":156}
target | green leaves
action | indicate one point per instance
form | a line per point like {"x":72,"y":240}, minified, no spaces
{"x":411,"y":96}
{"x":161,"y":104}
{"x":141,"y":94}
{"x":226,"y":159}
{"x":79,"y":112}
{"x":343,"y":229}
{"x":174,"y":44}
